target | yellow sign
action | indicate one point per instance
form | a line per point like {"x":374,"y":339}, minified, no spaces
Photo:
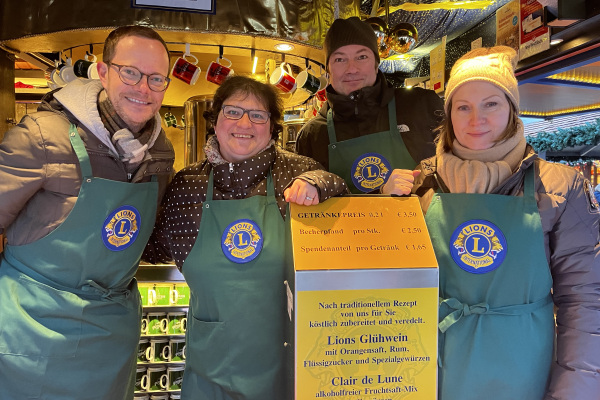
{"x":367,"y":344}
{"x":361,"y":232}
{"x":437,"y":67}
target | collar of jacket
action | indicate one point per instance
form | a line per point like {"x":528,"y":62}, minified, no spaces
{"x":361,"y":103}
{"x":244,"y":174}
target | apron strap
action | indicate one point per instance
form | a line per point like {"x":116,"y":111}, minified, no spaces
{"x":391,"y":119}
{"x":330,"y":127}
{"x":529,"y":186}
{"x":270,"y":189}
{"x":81,"y":152}
{"x":115,"y":294}
{"x":392,"y":115}
{"x":209,"y":189}
{"x":464,"y":310}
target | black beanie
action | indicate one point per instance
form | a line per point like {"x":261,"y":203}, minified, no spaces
{"x":350,"y":31}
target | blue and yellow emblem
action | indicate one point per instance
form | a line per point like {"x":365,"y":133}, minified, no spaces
{"x":242,"y":241}
{"x":370,"y":171}
{"x":121,"y":228}
{"x":478,"y":246}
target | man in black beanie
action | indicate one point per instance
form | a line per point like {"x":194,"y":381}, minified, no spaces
{"x":366,"y":129}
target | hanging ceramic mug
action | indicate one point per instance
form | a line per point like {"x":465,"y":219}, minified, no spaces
{"x":170,"y":119}
{"x":321,"y":94}
{"x":283,"y":79}
{"x":186,"y":71}
{"x":66,"y":72}
{"x":308,"y":82}
{"x":56,"y":79}
{"x":86,"y":68}
{"x":217,"y":72}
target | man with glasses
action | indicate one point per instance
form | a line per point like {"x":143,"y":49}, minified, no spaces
{"x":80,"y":181}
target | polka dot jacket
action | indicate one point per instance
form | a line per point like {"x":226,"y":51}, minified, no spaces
{"x":179,"y":218}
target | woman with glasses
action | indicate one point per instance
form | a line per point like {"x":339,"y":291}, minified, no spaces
{"x":222,"y":221}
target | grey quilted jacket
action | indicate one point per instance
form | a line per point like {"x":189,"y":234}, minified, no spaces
{"x":570,"y":224}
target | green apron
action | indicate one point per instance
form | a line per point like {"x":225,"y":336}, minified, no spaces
{"x":236,"y":333}
{"x":366,"y":162}
{"x":70,"y":318}
{"x":496,"y":312}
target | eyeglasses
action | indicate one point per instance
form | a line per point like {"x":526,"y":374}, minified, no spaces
{"x":256,"y":116}
{"x":132,"y":76}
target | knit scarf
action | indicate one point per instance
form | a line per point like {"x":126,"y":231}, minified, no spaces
{"x":132,"y":147}
{"x":480,"y":171}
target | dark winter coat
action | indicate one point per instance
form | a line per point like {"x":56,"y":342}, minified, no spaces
{"x":365,"y":111}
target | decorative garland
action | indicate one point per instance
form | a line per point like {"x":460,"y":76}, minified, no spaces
{"x":583,"y":135}
{"x":571,"y":161}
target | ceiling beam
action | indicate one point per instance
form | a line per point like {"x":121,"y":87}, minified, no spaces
{"x":37,"y":59}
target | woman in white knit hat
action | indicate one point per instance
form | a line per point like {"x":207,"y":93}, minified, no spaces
{"x":515,"y":236}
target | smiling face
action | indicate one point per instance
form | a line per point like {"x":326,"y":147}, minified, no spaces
{"x":351,"y":68}
{"x":137,"y":104}
{"x":480,"y":114}
{"x":241,"y":139}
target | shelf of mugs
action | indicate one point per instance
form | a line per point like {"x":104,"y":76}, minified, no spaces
{"x":158,"y":380}
{"x":150,"y":396}
{"x":164,"y":294}
{"x":163,"y":323}
{"x":157,"y":396}
{"x":163,"y":337}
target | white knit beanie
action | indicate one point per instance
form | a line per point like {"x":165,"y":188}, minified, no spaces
{"x":491,"y":64}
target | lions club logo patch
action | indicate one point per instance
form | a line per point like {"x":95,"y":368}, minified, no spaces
{"x":370,"y":171}
{"x":121,"y":228}
{"x":242,"y":241}
{"x":478,"y":246}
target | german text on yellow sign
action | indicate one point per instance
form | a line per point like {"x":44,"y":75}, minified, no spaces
{"x":367,"y":344}
{"x":361,"y":232}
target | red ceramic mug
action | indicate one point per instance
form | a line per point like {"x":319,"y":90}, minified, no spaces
{"x":185,"y":70}
{"x":283,"y":79}
{"x":217,"y":72}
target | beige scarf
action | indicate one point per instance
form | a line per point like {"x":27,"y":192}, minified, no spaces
{"x":133,"y":148}
{"x":480,"y":171}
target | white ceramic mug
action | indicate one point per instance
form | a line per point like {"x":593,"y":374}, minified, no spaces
{"x":283,"y":79}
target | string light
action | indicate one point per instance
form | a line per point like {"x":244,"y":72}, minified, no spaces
{"x":254,"y":61}
{"x":589,"y":107}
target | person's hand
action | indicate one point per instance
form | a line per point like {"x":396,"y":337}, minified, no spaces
{"x":301,"y":192}
{"x":400,"y":182}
